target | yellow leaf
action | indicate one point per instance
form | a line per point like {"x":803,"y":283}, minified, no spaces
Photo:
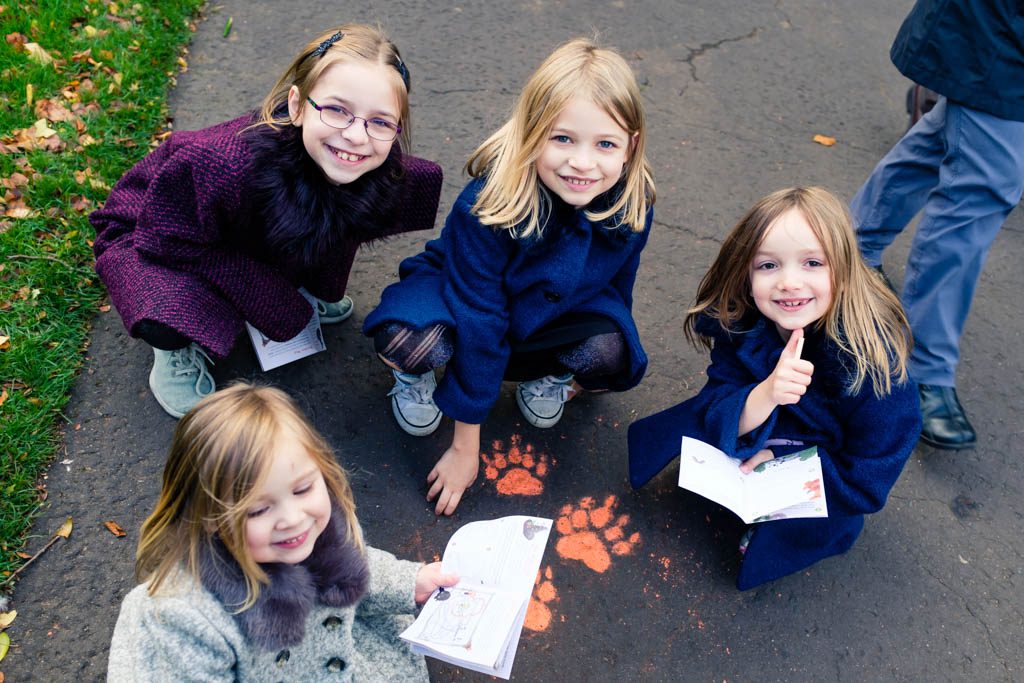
{"x":65,"y":529}
{"x":7,"y":618}
{"x":28,"y":94}
{"x":5,"y":645}
{"x":117,"y":77}
{"x":824,"y":140}
{"x":90,"y":31}
{"x":40,"y":130}
{"x":86,"y":140}
{"x":5,"y":342}
{"x":182,"y":63}
{"x":37,"y":54}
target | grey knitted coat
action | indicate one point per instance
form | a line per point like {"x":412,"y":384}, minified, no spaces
{"x":300,"y":629}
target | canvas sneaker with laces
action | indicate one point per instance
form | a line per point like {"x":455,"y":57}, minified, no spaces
{"x":335,"y":312}
{"x":179,"y":379}
{"x":412,"y":402}
{"x":541,"y":400}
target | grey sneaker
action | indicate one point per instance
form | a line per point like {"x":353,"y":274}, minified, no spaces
{"x":541,"y":400}
{"x":335,"y":312}
{"x":179,"y":379}
{"x":412,"y":402}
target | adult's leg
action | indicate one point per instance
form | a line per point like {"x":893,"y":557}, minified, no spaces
{"x":899,"y":185}
{"x":980,"y":182}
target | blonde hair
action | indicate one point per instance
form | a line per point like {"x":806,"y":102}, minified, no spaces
{"x":220,"y":453}
{"x":359,"y":42}
{"x":512,"y":196}
{"x":864,"y":318}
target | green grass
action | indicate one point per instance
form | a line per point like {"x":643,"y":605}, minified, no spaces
{"x":48,"y":291}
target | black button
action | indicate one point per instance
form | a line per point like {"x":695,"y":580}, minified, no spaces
{"x":335,"y":664}
{"x":282,"y":658}
{"x":332,"y":623}
{"x":553,"y":297}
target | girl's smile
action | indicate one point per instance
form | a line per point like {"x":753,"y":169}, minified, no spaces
{"x":790,"y":280}
{"x":366,"y":90}
{"x":584,"y":154}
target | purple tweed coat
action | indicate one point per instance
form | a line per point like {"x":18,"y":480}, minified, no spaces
{"x":222,"y":225}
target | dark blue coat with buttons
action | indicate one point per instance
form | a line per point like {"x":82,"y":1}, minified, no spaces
{"x":863,"y":440}
{"x":493,"y":290}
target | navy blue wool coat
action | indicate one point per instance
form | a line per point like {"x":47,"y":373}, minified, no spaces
{"x":492,"y":289}
{"x":863,"y":441}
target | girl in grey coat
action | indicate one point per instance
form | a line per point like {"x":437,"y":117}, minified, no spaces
{"x":253,"y":565}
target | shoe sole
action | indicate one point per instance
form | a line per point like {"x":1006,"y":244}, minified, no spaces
{"x":942,"y":446}
{"x":535,"y":419}
{"x":411,"y":429}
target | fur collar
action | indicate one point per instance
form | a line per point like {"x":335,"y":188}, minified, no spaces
{"x":305,"y":216}
{"x":335,"y":574}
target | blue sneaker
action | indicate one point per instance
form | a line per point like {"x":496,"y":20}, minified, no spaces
{"x":179,"y":379}
{"x":541,"y":400}
{"x":335,"y":312}
{"x":412,"y":402}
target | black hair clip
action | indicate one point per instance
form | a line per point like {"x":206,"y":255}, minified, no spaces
{"x":403,"y":71}
{"x":322,"y":47}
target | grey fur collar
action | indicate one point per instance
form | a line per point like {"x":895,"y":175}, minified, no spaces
{"x":335,"y":574}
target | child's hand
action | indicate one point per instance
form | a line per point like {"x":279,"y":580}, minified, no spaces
{"x":791,"y":377}
{"x":763,"y":455}
{"x":429,"y":578}
{"x":456,"y":470}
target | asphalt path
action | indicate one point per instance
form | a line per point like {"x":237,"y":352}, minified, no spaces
{"x":735,"y":91}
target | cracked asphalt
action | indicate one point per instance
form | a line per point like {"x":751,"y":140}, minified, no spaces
{"x":735,"y":91}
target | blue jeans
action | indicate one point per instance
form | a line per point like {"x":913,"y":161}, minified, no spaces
{"x":965,"y":169}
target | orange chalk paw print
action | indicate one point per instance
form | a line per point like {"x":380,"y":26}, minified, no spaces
{"x":538,"y":613}
{"x":517,"y":472}
{"x":592,"y":534}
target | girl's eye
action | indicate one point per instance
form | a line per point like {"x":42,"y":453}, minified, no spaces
{"x":382,"y":124}
{"x":339,"y":111}
{"x":815,"y":263}
{"x":256,"y":513}
{"x":768,"y":265}
{"x":561,"y":139}
{"x":303,"y":489}
{"x":607,"y":144}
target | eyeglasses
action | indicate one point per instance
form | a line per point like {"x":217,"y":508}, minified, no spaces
{"x":336,"y":116}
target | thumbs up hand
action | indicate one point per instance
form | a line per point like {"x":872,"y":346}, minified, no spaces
{"x":792,"y":375}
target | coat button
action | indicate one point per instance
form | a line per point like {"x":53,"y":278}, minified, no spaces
{"x":282,"y":658}
{"x":335,"y":664}
{"x":553,"y":297}
{"x":332,"y":623}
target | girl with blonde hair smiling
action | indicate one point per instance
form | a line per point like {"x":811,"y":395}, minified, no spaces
{"x":532,"y":277}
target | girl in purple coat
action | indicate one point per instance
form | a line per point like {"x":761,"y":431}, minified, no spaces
{"x":532,"y":277}
{"x":223,"y":225}
{"x":808,"y":348}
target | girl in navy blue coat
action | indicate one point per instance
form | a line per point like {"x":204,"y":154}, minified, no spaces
{"x":532,"y":277}
{"x":808,"y":348}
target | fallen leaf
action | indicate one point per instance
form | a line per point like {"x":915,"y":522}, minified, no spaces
{"x":5,"y":342}
{"x":37,"y":54}
{"x":7,"y":618}
{"x":114,"y":528}
{"x":65,"y":529}
{"x":17,"y":41}
{"x":3,"y":397}
{"x":53,"y":111}
{"x":28,"y":94}
{"x":227,"y":26}
{"x":23,"y":555}
{"x":824,"y":140}
{"x":104,"y":308}
{"x":86,"y":140}
{"x":5,"y":645}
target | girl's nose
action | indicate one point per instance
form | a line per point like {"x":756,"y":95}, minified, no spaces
{"x":582,"y":161}
{"x":790,"y":280}
{"x":291,"y":514}
{"x":356,"y":132}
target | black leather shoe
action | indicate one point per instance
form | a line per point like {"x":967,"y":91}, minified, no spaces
{"x":943,"y":421}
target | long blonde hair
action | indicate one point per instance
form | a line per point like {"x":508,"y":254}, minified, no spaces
{"x":864,"y":318}
{"x":220,"y":453}
{"x":358,"y":42}
{"x":512,"y":196}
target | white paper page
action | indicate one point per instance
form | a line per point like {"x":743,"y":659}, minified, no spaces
{"x":497,"y":563}
{"x":709,"y":472}
{"x":787,"y":487}
{"x":272,"y":354}
{"x":500,"y":554}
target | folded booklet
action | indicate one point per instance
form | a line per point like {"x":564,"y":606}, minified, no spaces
{"x":476,"y":624}
{"x":782,"y":488}
{"x":272,"y":354}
